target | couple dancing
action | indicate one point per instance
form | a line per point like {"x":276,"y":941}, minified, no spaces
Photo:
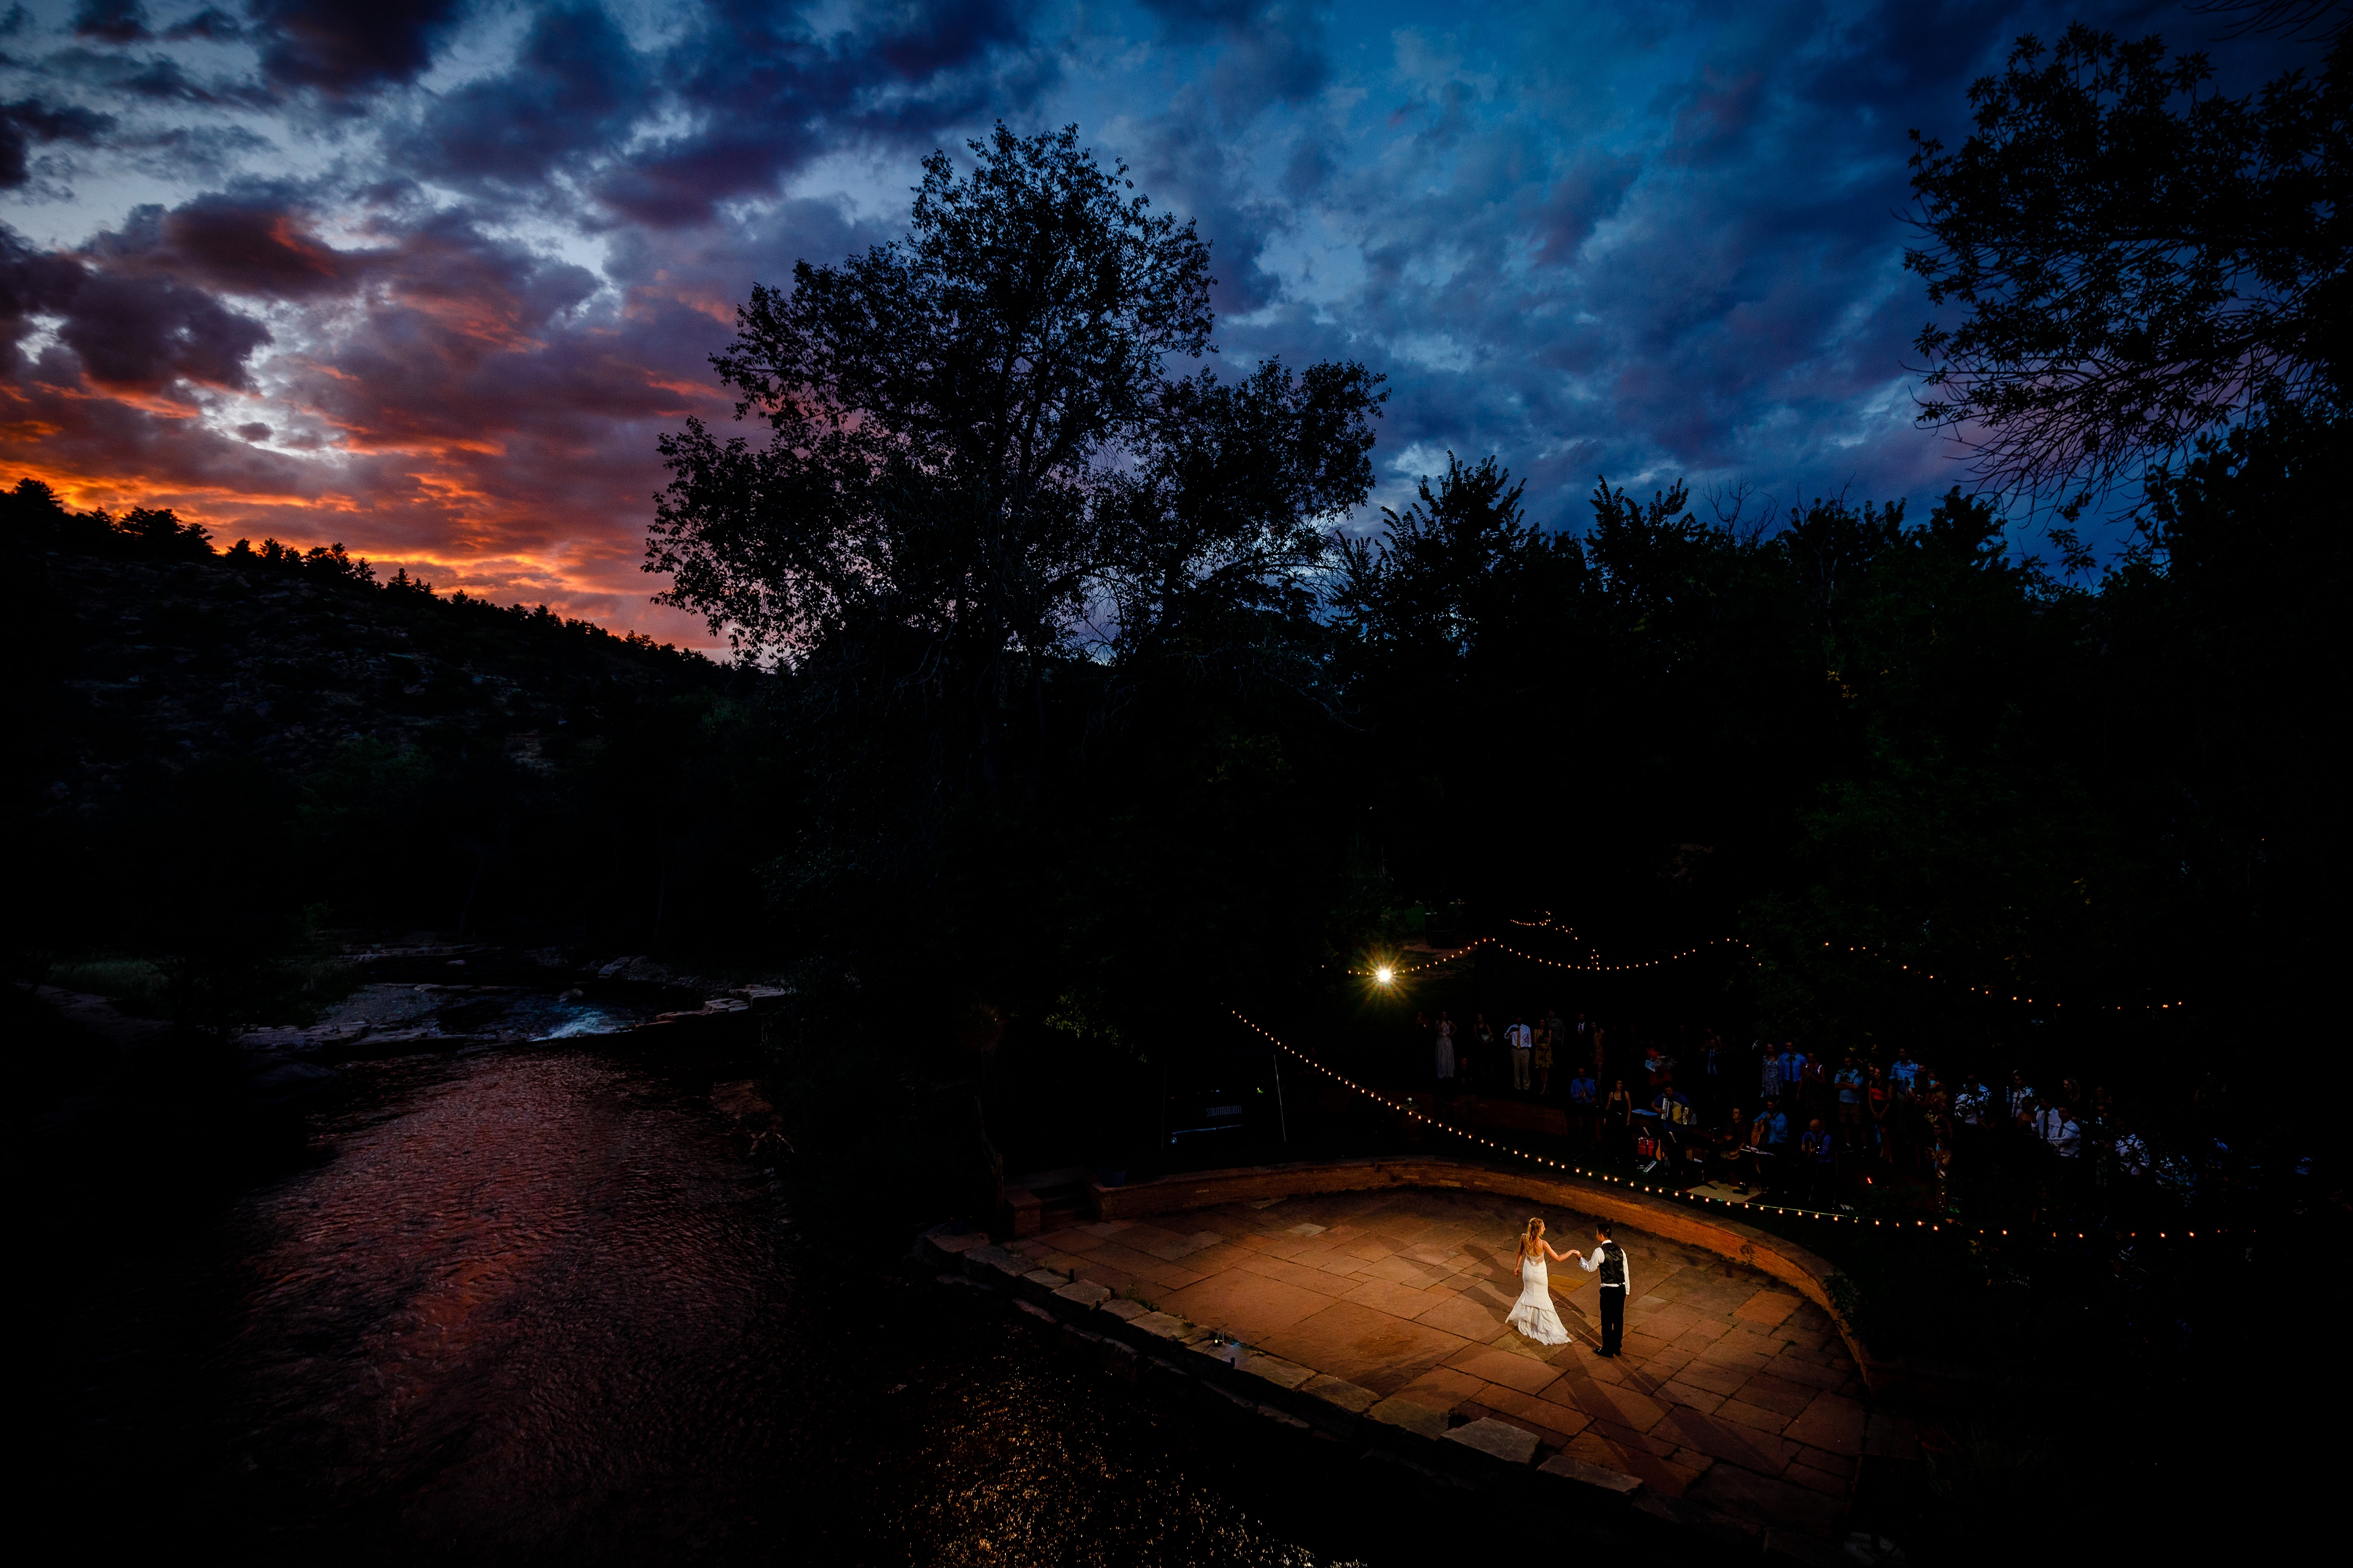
{"x":1532,"y":1313}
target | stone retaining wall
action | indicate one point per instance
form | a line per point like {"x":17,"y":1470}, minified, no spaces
{"x":1805,"y":1271}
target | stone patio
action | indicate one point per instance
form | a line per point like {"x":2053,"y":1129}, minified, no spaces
{"x":1733,"y":1389}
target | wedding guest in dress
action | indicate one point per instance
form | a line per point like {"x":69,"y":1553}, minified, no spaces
{"x":1532,"y":1313}
{"x":1445,"y":1054}
{"x":1540,"y":1059}
{"x":1609,"y":1261}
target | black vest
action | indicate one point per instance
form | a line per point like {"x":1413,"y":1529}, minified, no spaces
{"x":1613,"y":1264}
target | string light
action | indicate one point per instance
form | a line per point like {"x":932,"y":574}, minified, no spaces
{"x":1385,"y":972}
{"x":1546,"y":924}
{"x":1751,"y":1207}
{"x":2013,"y":997}
{"x":1620,"y":968}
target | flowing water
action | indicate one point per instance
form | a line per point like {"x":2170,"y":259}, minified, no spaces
{"x":536,"y":1304}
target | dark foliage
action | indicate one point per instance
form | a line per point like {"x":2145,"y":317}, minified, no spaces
{"x":2139,"y":260}
{"x":223,"y":754}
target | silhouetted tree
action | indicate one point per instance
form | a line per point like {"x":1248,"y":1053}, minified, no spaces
{"x":2139,"y":260}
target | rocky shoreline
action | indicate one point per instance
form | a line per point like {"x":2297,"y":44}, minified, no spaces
{"x":412,"y":999}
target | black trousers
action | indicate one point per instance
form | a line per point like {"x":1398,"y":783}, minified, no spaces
{"x":1613,"y":1317}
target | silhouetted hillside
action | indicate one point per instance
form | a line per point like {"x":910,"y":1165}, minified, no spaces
{"x":219,"y":749}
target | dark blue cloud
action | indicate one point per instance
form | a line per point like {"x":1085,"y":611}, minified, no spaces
{"x":29,"y":122}
{"x":771,"y":94}
{"x":575,"y":90}
{"x":343,"y":47}
{"x":111,"y":21}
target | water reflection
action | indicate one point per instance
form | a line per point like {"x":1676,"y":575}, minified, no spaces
{"x":532,"y":1304}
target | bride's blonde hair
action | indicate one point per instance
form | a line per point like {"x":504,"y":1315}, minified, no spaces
{"x":1528,"y":1237}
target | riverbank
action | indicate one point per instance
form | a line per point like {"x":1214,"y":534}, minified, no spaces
{"x":537,"y":1303}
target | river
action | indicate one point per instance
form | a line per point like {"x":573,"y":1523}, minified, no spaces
{"x":536,"y":1304}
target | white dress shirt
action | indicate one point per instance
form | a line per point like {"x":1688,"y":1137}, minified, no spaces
{"x":1591,"y":1264}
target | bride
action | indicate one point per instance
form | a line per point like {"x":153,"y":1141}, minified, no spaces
{"x":1532,"y":1314}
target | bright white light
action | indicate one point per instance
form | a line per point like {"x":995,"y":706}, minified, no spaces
{"x":1384,"y":975}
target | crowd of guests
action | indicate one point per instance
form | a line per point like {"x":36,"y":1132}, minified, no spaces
{"x":1799,"y":1126}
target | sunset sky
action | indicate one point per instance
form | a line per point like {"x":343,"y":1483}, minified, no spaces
{"x":429,"y":278}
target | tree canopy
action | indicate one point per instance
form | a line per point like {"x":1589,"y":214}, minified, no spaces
{"x":2139,"y":260}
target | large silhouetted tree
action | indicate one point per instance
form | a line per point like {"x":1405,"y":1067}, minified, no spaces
{"x":2139,"y":260}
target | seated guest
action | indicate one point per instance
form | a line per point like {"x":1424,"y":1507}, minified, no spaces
{"x":1731,"y":1157}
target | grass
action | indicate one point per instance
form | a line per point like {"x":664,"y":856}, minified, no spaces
{"x":137,"y":983}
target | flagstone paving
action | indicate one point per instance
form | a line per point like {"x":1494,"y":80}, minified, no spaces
{"x":1733,"y":1389}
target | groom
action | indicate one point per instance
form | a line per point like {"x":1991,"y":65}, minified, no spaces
{"x":1609,"y":1261}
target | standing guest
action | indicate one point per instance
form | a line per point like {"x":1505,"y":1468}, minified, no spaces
{"x":1711,"y":1068}
{"x":1936,"y":1106}
{"x":2018,"y":1100}
{"x":1551,"y":1020}
{"x":1609,"y":1261}
{"x":1653,"y":1060}
{"x":1445,"y":1054}
{"x":1584,"y":1105}
{"x":1482,"y":1041}
{"x":1618,"y":1112}
{"x":1850,"y":1112}
{"x":1974,"y":1102}
{"x":1875,"y":1099}
{"x":1770,"y":1079}
{"x":1769,"y":1136}
{"x":1600,"y":1051}
{"x":2056,"y":1126}
{"x":1817,"y":1151}
{"x":1813,"y":1086}
{"x":1523,"y":1044}
{"x":1541,"y":1059}
{"x":1793,"y":1068}
{"x":1904,"y":1077}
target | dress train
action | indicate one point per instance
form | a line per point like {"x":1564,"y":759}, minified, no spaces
{"x":1532,"y":1313}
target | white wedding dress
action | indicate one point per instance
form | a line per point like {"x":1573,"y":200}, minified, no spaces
{"x":1532,"y":1314}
